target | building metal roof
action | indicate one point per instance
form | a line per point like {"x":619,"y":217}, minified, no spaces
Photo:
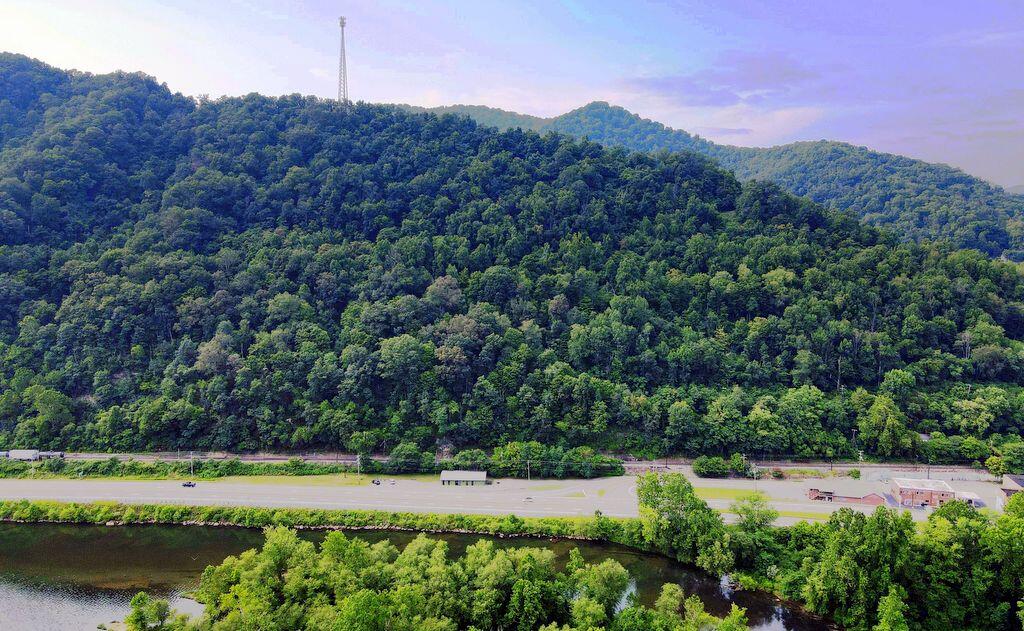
{"x":1016,"y":479}
{"x":924,"y":485}
{"x":463,"y":476}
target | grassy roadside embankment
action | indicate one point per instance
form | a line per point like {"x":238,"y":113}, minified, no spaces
{"x":512,"y":461}
{"x":625,"y":531}
{"x":166,"y":469}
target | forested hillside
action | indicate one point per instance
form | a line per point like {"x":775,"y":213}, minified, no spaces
{"x":488,"y":116}
{"x":292,"y":273}
{"x":914,"y":199}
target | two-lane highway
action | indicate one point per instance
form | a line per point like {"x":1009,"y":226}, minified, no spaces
{"x":612,"y":496}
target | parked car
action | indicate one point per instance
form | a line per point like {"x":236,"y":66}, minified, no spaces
{"x":377,"y":482}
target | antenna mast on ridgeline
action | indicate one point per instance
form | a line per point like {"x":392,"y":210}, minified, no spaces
{"x":342,"y":69}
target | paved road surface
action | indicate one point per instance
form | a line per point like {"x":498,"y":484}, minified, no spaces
{"x":615,"y":497}
{"x":547,"y":498}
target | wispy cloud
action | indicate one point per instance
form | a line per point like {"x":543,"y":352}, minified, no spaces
{"x":982,"y":39}
{"x":736,"y":77}
{"x":743,"y":96}
{"x":724,"y":131}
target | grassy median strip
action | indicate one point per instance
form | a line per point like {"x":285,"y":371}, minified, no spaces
{"x":795,"y":514}
{"x":340,"y":479}
{"x":337,"y":479}
{"x":808,"y":515}
{"x":547,"y":487}
{"x":721,"y":493}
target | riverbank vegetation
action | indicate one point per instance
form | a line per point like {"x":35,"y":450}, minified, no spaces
{"x":348,"y":584}
{"x":258,"y":273}
{"x":598,"y":528}
{"x":961,"y":569}
{"x":514,"y":460}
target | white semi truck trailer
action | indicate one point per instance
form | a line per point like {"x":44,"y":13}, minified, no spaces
{"x":23,"y":454}
{"x":30,"y":454}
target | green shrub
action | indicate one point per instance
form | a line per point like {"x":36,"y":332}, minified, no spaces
{"x":738,"y":464}
{"x":711,"y":467}
{"x":996,"y":466}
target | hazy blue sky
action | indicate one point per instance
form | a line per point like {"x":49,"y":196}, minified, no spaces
{"x":941,"y":80}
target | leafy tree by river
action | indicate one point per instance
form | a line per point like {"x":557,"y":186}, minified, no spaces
{"x":960,"y":570}
{"x":348,"y":584}
{"x":287,"y":273}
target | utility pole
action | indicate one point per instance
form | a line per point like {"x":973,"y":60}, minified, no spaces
{"x":342,"y":68}
{"x":527,"y":470}
{"x":359,"y":464}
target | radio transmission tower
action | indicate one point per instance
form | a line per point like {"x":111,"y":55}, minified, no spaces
{"x":342,"y":69}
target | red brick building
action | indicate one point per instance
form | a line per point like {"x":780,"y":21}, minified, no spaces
{"x":912,"y":493}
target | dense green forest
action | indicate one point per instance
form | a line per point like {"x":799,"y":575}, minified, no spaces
{"x":961,"y":569}
{"x":291,"y":273}
{"x":914,"y":199}
{"x":350,"y":585}
{"x":488,"y":116}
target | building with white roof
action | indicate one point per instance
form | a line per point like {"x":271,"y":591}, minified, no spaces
{"x":463,"y":478}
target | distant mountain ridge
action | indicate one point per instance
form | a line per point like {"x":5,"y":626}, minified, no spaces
{"x":915,"y":199}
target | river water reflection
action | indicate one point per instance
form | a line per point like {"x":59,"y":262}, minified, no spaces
{"x":77,"y":577}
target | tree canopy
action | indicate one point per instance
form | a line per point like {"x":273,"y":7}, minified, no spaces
{"x":914,"y":199}
{"x":292,"y":273}
{"x":350,"y":585}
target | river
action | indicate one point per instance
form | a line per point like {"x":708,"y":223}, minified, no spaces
{"x":55,"y":576}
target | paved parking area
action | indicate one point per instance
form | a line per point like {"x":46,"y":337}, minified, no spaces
{"x":791,"y":495}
